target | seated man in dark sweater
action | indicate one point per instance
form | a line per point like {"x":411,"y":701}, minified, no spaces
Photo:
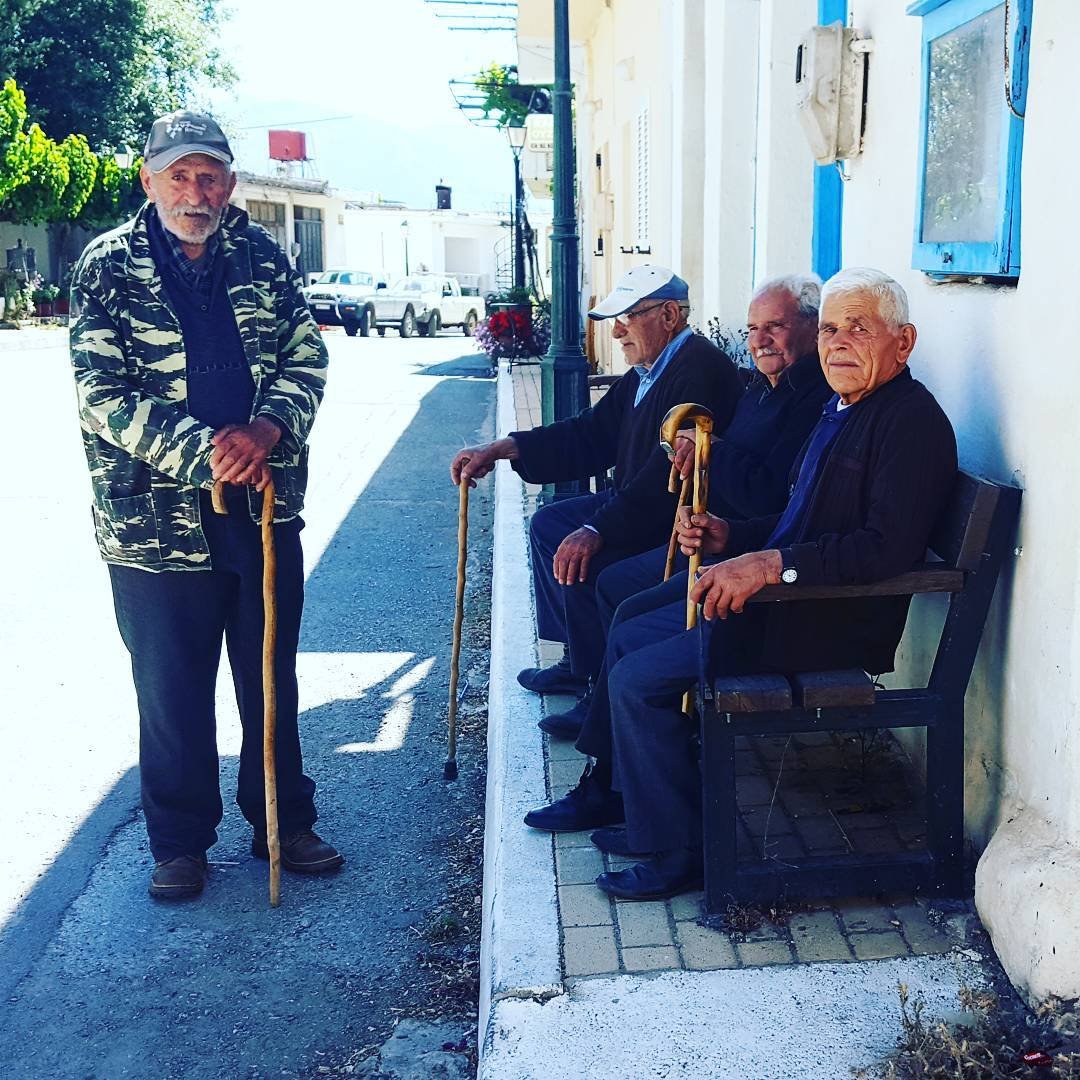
{"x":870,"y":484}
{"x":748,"y":474}
{"x":574,"y":539}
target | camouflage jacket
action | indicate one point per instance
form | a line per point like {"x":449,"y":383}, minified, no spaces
{"x":148,"y":457}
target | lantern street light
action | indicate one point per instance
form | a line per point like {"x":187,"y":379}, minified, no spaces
{"x":124,"y":157}
{"x":515,"y":134}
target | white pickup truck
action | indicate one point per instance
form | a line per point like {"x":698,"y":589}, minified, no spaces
{"x":423,"y":304}
{"x":344,"y":298}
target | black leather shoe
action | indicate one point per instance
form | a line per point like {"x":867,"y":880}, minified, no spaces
{"x":614,"y":841}
{"x":587,"y":806}
{"x":557,"y":679}
{"x":302,"y":852}
{"x":669,"y":874}
{"x":174,"y":879}
{"x":566,"y":725}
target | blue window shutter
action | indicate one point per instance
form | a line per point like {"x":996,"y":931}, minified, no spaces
{"x":828,"y":187}
{"x":998,"y":256}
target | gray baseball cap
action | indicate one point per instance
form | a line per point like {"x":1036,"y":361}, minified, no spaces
{"x":180,"y":133}
{"x":647,"y":282}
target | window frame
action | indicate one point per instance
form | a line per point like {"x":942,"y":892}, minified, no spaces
{"x":999,"y":258}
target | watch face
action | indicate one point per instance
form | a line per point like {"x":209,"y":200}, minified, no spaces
{"x":790,"y":576}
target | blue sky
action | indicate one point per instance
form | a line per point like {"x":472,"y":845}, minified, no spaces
{"x":384,"y":65}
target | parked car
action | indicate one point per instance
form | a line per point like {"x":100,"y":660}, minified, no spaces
{"x":424,"y":303}
{"x":344,"y":298}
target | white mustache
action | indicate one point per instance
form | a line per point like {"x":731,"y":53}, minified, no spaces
{"x":191,"y":211}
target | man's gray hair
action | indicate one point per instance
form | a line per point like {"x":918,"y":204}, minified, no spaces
{"x":804,"y":289}
{"x":892,"y":301}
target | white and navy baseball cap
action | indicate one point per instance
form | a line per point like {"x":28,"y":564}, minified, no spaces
{"x":180,"y":133}
{"x":646,"y":282}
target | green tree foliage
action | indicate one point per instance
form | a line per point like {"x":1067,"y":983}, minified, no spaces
{"x":37,"y":199}
{"x":82,"y":173}
{"x":107,"y":68}
{"x":116,"y":195}
{"x":14,"y":146}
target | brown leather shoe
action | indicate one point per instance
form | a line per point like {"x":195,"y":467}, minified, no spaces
{"x":174,"y":879}
{"x":302,"y":852}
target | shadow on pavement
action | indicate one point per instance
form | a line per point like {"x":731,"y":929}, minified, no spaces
{"x":98,"y":981}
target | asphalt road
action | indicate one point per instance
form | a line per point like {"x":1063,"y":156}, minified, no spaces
{"x":95,"y":979}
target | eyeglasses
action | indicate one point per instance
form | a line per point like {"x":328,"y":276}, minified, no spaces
{"x":627,"y":316}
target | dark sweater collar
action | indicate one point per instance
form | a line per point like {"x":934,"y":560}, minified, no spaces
{"x":804,"y":372}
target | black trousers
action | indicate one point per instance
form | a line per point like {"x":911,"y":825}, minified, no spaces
{"x":173,"y":623}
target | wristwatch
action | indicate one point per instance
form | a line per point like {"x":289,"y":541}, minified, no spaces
{"x":789,"y":575}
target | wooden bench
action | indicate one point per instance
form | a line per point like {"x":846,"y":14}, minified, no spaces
{"x":972,"y":541}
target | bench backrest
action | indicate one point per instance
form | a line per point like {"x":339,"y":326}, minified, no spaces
{"x":961,"y":535}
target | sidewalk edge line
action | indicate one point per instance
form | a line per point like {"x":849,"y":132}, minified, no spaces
{"x":519,"y":946}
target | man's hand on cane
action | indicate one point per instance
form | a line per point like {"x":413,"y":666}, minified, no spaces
{"x":241,"y":451}
{"x":475,"y":462}
{"x":703,"y":533}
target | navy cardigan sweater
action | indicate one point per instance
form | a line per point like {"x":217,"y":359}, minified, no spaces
{"x":751,"y":460}
{"x":614,"y":432}
{"x":882,"y":487}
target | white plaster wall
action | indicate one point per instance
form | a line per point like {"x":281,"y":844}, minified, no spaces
{"x":731,"y":109}
{"x":784,"y":187}
{"x":687,"y":43}
{"x":1002,"y":362}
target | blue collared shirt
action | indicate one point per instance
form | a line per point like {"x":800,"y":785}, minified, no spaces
{"x":646,"y":379}
{"x":817,"y":450}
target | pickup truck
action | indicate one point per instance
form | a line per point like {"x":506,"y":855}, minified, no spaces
{"x":423,"y":304}
{"x":344,"y":298}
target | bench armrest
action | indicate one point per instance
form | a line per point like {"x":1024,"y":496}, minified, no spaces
{"x":923,"y":578}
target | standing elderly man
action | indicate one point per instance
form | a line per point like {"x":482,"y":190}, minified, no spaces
{"x":871,"y":481}
{"x":196,"y":361}
{"x":574,"y":539}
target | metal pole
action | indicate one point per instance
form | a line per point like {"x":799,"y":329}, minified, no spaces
{"x":519,"y":238}
{"x":565,"y":369}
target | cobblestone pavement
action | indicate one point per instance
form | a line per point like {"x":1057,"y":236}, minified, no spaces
{"x":811,"y":793}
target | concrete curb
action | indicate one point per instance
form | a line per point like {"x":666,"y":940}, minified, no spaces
{"x":519,"y":946}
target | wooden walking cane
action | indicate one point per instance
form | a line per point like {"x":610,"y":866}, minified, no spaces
{"x":669,"y":430}
{"x":450,"y":770}
{"x":269,"y":683}
{"x":703,"y":426}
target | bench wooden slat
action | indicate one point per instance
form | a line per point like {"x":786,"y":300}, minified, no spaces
{"x":752,"y":693}
{"x":963,"y":530}
{"x":923,"y":578}
{"x":832,"y":689}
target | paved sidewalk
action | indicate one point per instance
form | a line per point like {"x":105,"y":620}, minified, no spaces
{"x":594,"y":987}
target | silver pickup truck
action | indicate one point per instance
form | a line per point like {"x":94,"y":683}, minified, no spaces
{"x":423,"y":304}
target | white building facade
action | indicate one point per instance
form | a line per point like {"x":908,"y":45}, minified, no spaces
{"x":690,"y":154}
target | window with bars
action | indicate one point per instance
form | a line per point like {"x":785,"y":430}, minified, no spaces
{"x":641,"y":180}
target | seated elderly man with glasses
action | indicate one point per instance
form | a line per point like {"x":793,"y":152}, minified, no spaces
{"x":574,"y":539}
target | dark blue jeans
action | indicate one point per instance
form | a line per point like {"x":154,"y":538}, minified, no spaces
{"x":173,"y":623}
{"x":568,"y":613}
{"x":635,"y":720}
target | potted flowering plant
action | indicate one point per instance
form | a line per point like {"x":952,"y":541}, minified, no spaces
{"x":515,"y":330}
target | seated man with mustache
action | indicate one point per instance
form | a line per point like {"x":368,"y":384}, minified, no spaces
{"x":871,"y":481}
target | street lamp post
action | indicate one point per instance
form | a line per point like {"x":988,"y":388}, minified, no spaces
{"x":515,"y":134}
{"x":405,"y":238}
{"x":564,"y":370}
